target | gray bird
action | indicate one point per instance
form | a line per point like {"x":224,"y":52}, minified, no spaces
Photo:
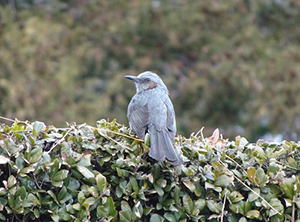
{"x":151,"y":110}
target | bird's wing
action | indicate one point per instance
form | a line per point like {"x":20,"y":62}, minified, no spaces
{"x":138,"y":116}
{"x":171,"y":123}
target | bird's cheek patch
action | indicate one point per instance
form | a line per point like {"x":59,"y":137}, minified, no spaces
{"x":152,"y":85}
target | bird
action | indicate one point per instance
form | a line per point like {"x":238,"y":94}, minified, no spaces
{"x":151,"y":111}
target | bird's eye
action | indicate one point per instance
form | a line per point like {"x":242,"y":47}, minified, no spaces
{"x":147,"y":80}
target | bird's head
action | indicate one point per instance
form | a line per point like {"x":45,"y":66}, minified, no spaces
{"x":146,"y":81}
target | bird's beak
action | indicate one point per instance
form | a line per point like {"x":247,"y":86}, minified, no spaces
{"x":133,"y":78}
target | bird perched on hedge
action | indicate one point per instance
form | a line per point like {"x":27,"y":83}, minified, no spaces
{"x":151,"y":110}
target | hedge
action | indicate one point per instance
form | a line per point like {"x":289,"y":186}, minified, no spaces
{"x":103,"y":173}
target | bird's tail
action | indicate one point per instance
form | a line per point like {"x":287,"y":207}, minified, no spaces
{"x":161,"y":147}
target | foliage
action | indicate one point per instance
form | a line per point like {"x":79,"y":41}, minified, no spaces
{"x":228,"y":64}
{"x":85,"y":173}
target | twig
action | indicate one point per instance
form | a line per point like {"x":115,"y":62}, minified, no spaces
{"x":7,"y":119}
{"x":117,"y":133}
{"x":235,"y":163}
{"x":293,"y":211}
{"x":250,"y":189}
{"x":61,"y":140}
{"x":223,"y":208}
{"x":200,"y":132}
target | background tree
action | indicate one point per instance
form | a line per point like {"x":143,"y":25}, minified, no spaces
{"x":228,"y":64}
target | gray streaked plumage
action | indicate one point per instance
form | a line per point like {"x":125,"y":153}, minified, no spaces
{"x":151,"y":110}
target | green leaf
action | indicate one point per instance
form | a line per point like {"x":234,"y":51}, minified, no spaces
{"x":85,"y":172}
{"x":54,"y":167}
{"x":156,"y":218}
{"x":89,"y":201}
{"x":223,"y":181}
{"x":188,"y":204}
{"x":81,"y":197}
{"x":260,"y":177}
{"x":156,"y":172}
{"x":235,"y":197}
{"x":60,"y":175}
{"x":21,"y":193}
{"x":62,"y":193}
{"x":252,"y":214}
{"x":11,"y":181}
{"x":243,"y":219}
{"x":125,"y":213}
{"x":134,"y":184}
{"x":252,"y":196}
{"x":276,"y":203}
{"x":200,"y":204}
{"x":93,"y":191}
{"x":85,"y":160}
{"x":273,"y":169}
{"x":50,"y":192}
{"x":237,"y":207}
{"x":287,"y":186}
{"x":55,"y":217}
{"x":38,"y":127}
{"x":107,"y":209}
{"x":31,"y":201}
{"x":170,"y":217}
{"x":2,"y":217}
{"x":214,"y":206}
{"x":35,"y":155}
{"x":101,"y":182}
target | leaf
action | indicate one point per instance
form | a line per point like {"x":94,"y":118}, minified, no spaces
{"x":50,"y":192}
{"x":93,"y":191}
{"x":211,"y":186}
{"x":156,"y":218}
{"x":125,"y":213}
{"x":3,"y":159}
{"x":21,"y":192}
{"x":62,"y":193}
{"x":107,"y":209}
{"x":223,"y":181}
{"x":35,"y":155}
{"x":243,"y":219}
{"x":190,"y":185}
{"x":134,"y":184}
{"x":251,"y":175}
{"x":85,"y":172}
{"x":85,"y":160}
{"x":252,"y":214}
{"x":199,"y":205}
{"x":31,"y":201}
{"x":235,"y":197}
{"x":38,"y":127}
{"x":176,"y":195}
{"x":213,"y":206}
{"x":60,"y":175}
{"x":101,"y":182}
{"x":170,"y":217}
{"x":89,"y":201}
{"x":252,"y":196}
{"x":287,"y":186}
{"x":188,"y":204}
{"x":260,"y":177}
{"x":276,"y":203}
{"x":55,"y":217}
{"x":11,"y":181}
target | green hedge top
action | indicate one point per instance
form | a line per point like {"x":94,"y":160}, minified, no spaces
{"x":85,"y":173}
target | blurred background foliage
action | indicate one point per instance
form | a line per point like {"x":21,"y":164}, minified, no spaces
{"x":228,"y":64}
